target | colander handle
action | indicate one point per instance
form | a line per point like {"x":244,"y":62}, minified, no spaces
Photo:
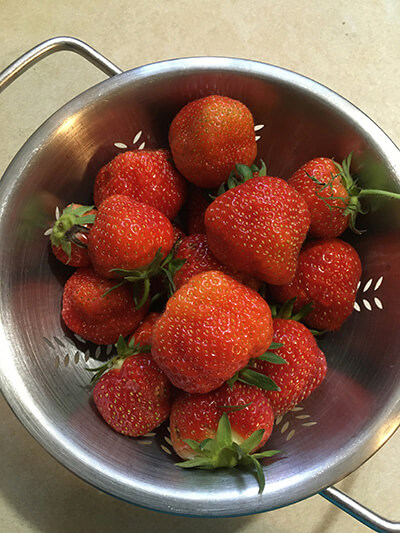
{"x":359,"y":512}
{"x":46,"y":48}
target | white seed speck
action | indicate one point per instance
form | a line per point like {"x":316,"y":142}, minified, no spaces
{"x":356,"y":307}
{"x":57,"y":215}
{"x":285,"y":426}
{"x":367,"y":285}
{"x":302,"y":417}
{"x":258,"y":137}
{"x":290,"y":434}
{"x":142,"y":146}
{"x":144,"y":442}
{"x":278,"y":420}
{"x":297,"y":408}
{"x":166,"y":449}
{"x":121,"y":145}
{"x":367,"y":305}
{"x":258,"y":127}
{"x":307,"y":424}
{"x":137,"y":137}
{"x":378,"y":303}
{"x":97,"y":352}
{"x":48,"y":232}
{"x":378,"y":283}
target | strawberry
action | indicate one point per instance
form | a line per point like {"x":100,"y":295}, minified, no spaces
{"x":304,"y":370}
{"x":129,"y":239}
{"x":327,"y":277}
{"x":68,"y":235}
{"x":208,"y":136}
{"x":95,"y":312}
{"x":211,"y":327}
{"x":147,"y":176}
{"x":332,"y":195}
{"x":258,"y":227}
{"x":132,"y":394}
{"x":198,"y":258}
{"x":144,"y":333}
{"x":222,"y":428}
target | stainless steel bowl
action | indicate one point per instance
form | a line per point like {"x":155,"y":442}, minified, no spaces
{"x":42,"y":371}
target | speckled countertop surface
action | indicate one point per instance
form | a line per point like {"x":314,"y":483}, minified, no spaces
{"x":352,"y":47}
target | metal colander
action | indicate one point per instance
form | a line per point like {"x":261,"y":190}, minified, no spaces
{"x":42,"y":372}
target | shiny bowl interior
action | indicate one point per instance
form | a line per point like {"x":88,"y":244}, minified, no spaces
{"x":42,"y":371}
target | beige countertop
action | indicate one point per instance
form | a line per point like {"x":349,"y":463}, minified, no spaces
{"x":352,"y":47}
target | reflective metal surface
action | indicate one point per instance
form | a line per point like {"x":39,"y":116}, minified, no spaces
{"x":42,"y":370}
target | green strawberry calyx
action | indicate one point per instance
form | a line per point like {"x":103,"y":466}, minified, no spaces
{"x":249,"y":376}
{"x":223,"y":452}
{"x":352,"y":205}
{"x":239,"y":175}
{"x":285,"y":311}
{"x":166,"y":267}
{"x":124,"y":350}
{"x":69,"y":225}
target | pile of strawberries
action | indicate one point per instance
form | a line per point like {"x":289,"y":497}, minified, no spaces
{"x":208,"y":274}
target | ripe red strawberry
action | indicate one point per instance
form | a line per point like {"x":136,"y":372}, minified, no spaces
{"x":147,"y":176}
{"x":332,"y":196}
{"x":198,"y":258}
{"x":143,"y":335}
{"x":222,"y":428}
{"x":68,"y":236}
{"x":258,"y":227}
{"x":127,"y":235}
{"x":99,"y":316}
{"x":327,"y":276}
{"x":210,"y":329}
{"x":133,"y":395}
{"x":304,"y":370}
{"x":209,"y":136}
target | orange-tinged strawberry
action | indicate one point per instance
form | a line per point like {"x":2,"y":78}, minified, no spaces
{"x":147,"y":176}
{"x":259,"y":227}
{"x":95,"y":312}
{"x":210,"y":329}
{"x":209,"y":136}
{"x":327,"y":277}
